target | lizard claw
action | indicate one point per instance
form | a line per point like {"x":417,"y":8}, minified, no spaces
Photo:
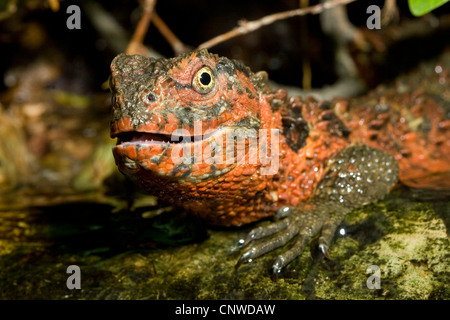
{"x":246,"y":257}
{"x":276,"y":268}
{"x":339,"y":191}
{"x":264,"y":231}
{"x":324,"y":249}
{"x":301,"y":224}
{"x":244,"y":242}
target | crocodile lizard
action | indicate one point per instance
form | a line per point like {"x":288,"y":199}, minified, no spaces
{"x":207,"y":134}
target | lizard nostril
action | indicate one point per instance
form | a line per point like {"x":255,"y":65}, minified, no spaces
{"x":151,"y":97}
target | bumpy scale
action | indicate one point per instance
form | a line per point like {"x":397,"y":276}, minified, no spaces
{"x":205,"y":133}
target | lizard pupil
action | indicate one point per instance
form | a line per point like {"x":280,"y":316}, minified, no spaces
{"x":203,"y":81}
{"x":205,"y":78}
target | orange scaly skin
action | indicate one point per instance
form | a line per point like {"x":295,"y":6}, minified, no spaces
{"x":329,"y":153}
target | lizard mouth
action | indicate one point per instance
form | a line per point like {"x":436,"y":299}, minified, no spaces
{"x":170,"y":156}
{"x":152,"y":138}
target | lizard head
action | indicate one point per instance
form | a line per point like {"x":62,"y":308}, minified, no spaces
{"x":172,"y":116}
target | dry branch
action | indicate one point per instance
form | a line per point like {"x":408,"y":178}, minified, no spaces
{"x":250,"y":26}
{"x":136,"y":44}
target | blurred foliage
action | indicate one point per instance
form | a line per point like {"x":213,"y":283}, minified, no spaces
{"x":421,"y":7}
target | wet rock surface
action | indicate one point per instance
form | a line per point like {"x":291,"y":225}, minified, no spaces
{"x":407,"y":239}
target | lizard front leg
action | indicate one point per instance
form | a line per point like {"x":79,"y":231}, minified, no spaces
{"x":354,"y":177}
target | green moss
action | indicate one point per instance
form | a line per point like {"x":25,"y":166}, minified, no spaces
{"x":406,"y":239}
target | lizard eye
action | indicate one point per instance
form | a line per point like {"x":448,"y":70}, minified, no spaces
{"x":203,"y":81}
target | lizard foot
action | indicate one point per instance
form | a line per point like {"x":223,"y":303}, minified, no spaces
{"x":354,"y":177}
{"x":303,"y":223}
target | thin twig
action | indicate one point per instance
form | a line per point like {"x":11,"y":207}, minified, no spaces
{"x":250,"y":26}
{"x":136,"y":44}
{"x":389,"y":13}
{"x":176,"y":44}
{"x":306,"y":63}
{"x":110,"y":30}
